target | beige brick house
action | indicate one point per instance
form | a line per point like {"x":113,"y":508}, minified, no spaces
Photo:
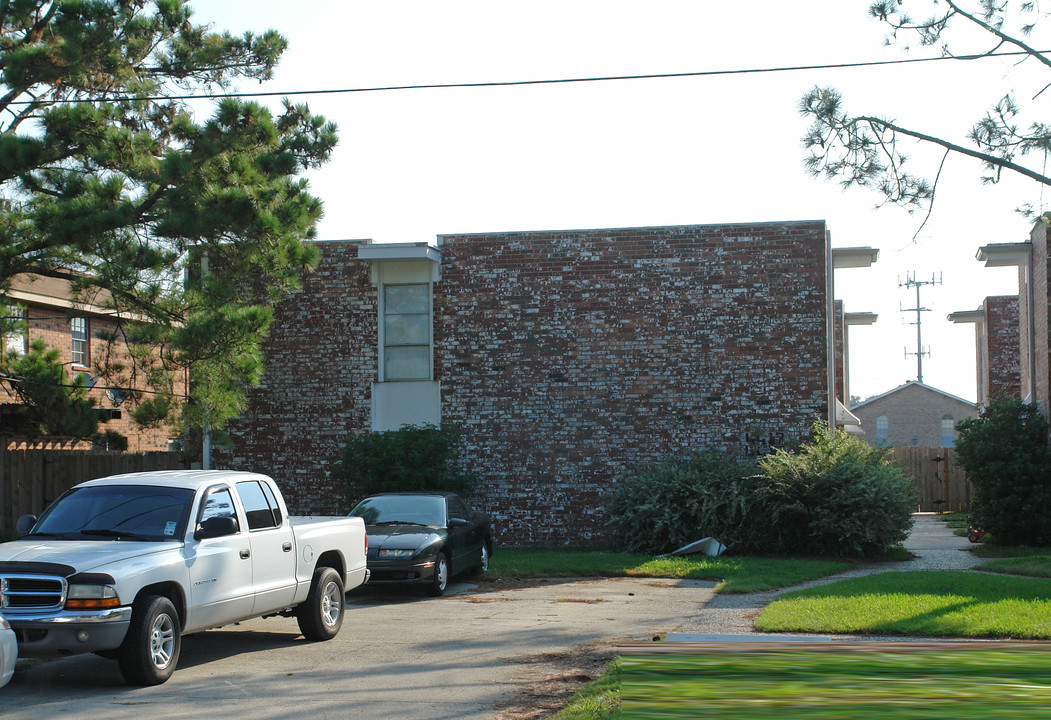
{"x":913,"y":414}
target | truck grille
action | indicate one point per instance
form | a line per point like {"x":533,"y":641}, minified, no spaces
{"x":31,"y":592}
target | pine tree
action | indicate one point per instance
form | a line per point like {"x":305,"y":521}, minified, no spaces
{"x":108,"y":180}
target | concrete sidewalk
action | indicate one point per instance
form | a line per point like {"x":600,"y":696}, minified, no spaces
{"x":935,"y":548}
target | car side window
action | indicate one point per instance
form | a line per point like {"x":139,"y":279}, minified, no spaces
{"x":458,"y":509}
{"x":218,"y":502}
{"x":257,"y":508}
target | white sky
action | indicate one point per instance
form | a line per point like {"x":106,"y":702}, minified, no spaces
{"x":414,"y":164}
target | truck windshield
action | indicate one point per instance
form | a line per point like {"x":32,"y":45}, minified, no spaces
{"x":118,"y":512}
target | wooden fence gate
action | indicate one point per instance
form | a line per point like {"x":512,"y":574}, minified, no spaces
{"x":31,"y":479}
{"x":941,"y":484}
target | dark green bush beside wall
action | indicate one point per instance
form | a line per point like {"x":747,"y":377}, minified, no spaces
{"x":411,"y":459}
{"x":1006,"y":456}
{"x":836,"y":496}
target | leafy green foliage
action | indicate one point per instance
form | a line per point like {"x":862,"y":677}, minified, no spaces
{"x":834,"y":496}
{"x":660,"y":508}
{"x":108,"y":181}
{"x":411,"y":459}
{"x":1006,"y":456}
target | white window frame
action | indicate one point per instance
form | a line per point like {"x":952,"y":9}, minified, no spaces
{"x":80,"y":342}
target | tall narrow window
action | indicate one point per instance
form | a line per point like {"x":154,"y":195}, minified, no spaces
{"x":78,"y":330}
{"x":882,"y":429}
{"x":14,"y":325}
{"x":407,"y":332}
{"x":948,"y":432}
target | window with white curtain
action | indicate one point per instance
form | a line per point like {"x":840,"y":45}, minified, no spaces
{"x":407,"y":332}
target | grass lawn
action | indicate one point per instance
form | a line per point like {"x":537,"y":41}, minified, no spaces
{"x":918,"y":685}
{"x":1032,"y":565}
{"x":922,"y":603}
{"x":737,"y":574}
{"x":598,"y":700}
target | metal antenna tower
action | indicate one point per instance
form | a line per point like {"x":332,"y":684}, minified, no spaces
{"x":912,"y":282}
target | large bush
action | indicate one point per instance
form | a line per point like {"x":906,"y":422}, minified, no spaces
{"x":835,"y":496}
{"x":1006,"y":456}
{"x":413,"y":458}
{"x":660,"y":508}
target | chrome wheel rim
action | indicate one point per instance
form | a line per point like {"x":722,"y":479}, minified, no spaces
{"x":331,"y":604}
{"x":442,"y":571}
{"x":162,"y":641}
{"x":485,"y":558}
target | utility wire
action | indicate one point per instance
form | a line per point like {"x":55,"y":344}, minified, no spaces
{"x":517,"y":83}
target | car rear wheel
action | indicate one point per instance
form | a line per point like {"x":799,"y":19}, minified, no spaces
{"x":440,"y":578}
{"x":321,"y":616}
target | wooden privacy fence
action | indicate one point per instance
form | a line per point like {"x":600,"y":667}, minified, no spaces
{"x":31,"y":479}
{"x":941,"y":484}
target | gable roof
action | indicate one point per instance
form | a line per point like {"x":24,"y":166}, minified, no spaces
{"x":910,"y":384}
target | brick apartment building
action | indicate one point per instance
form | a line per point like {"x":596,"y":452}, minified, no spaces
{"x":997,"y":347}
{"x":1033,"y":260}
{"x":72,"y":328}
{"x":565,"y":358}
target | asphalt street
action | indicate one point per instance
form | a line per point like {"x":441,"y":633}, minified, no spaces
{"x":398,"y":655}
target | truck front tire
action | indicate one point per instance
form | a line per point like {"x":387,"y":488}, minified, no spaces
{"x":321,"y":616}
{"x":151,"y":648}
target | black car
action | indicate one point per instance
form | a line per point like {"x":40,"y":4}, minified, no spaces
{"x":424,"y":537}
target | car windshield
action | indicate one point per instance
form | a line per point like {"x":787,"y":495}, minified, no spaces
{"x":407,"y":509}
{"x":118,"y":512}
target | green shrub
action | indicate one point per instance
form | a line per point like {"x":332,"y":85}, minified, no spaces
{"x":1006,"y":456}
{"x":835,"y":496}
{"x":659,"y":508}
{"x":413,"y":458}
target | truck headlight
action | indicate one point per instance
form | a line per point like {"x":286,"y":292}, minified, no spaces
{"x":91,"y":597}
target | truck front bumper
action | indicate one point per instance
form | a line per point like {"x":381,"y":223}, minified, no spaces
{"x":70,"y":633}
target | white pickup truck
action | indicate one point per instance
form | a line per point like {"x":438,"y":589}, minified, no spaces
{"x":125,"y":565}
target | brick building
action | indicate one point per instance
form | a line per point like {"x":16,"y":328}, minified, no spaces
{"x":564,"y":357}
{"x":50,"y":314}
{"x":913,"y":414}
{"x":1033,"y":260}
{"x":997,"y":347}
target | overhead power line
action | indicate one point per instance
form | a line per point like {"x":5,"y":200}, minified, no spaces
{"x":549,"y":81}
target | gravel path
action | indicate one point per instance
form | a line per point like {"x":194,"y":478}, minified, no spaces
{"x":934,"y":545}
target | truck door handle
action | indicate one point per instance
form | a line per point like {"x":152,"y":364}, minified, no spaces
{"x":287,"y":547}
{"x":245,"y":554}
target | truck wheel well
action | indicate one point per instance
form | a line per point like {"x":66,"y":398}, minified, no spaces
{"x":173,"y":592}
{"x":333,"y":560}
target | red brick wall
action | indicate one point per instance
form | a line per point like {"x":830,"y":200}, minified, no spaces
{"x":321,"y":359}
{"x":52,"y":325}
{"x":565,"y":358}
{"x":1003,"y":366}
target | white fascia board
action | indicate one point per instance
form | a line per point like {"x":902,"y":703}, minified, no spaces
{"x":854,"y":257}
{"x":1005,"y":254}
{"x":967,"y":316}
{"x":400,"y":251}
{"x":860,"y":318}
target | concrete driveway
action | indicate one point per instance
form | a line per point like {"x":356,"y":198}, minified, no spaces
{"x":397,"y":656}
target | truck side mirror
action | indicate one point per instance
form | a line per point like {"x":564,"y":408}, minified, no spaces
{"x":218,"y":526}
{"x":25,"y":524}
